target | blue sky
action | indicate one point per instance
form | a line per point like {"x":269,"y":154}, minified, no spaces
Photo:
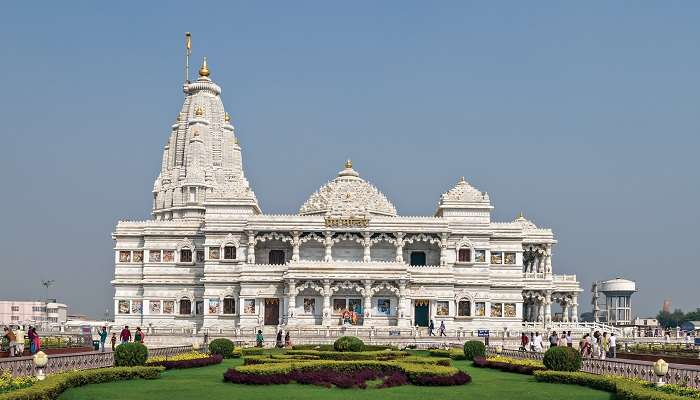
{"x":582,"y":115}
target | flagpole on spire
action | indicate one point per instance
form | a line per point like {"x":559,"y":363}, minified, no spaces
{"x":188,"y":51}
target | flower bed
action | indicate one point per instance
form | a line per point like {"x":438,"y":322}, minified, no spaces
{"x":346,"y":374}
{"x":527,"y":367}
{"x":9,"y":383}
{"x":350,"y":356}
{"x":623,"y":388}
{"x":185,"y":360}
{"x":329,"y":347}
{"x":454,"y":354}
{"x":52,"y":387}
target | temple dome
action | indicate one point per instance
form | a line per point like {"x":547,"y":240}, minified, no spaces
{"x":348,"y":196}
{"x":525,"y":223}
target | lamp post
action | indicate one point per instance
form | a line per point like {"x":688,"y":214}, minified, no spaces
{"x":40,"y":361}
{"x":660,"y":370}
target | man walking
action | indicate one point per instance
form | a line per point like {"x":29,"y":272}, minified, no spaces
{"x":103,"y":338}
{"x":12,"y":339}
{"x":125,"y":335}
{"x":613,"y":346}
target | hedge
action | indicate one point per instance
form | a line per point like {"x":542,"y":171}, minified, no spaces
{"x":474,"y":348}
{"x":348,"y":343}
{"x":507,"y":365}
{"x":130,"y":355}
{"x":560,"y":358}
{"x":454,"y":354}
{"x":52,"y":387}
{"x":624,"y":389}
{"x":350,"y":356}
{"x":280,"y":372}
{"x":192,"y":363}
{"x":329,"y":347}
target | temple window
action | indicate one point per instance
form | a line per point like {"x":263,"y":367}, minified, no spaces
{"x":480,"y":256}
{"x":200,"y":256}
{"x":168,"y":256}
{"x":154,"y":256}
{"x":186,"y":255}
{"x":214,"y":253}
{"x":464,"y":256}
{"x":124,"y":256}
{"x":185,"y":307}
{"x":509,"y":258}
{"x":496,"y":257}
{"x":464,"y":308}
{"x":276,"y":257}
{"x":418,"y":258}
{"x":138,"y":256}
{"x":229,"y":253}
{"x":199,"y":307}
{"x":229,"y":305}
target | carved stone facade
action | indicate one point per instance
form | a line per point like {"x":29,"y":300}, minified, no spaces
{"x":211,"y":259}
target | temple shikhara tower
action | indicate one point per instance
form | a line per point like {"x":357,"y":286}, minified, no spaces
{"x":212,"y":260}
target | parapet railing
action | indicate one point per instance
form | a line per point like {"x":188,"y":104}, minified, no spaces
{"x":22,"y":366}
{"x":679,"y":374}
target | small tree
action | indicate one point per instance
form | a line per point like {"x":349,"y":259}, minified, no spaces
{"x":130,"y":355}
{"x":562,"y":358}
{"x":348,"y":343}
{"x":221,"y":346}
{"x":474,"y":348}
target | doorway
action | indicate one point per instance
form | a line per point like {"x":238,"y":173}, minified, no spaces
{"x":421,"y":312}
{"x":272,"y":312}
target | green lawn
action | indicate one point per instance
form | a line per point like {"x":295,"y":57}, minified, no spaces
{"x":207,"y":383}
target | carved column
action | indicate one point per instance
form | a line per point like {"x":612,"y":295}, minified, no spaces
{"x":399,"y":246}
{"x":367,"y":298}
{"x":251,"y":247}
{"x":295,"y":245}
{"x":326,"y":301}
{"x":443,"y":249}
{"x":404,"y":318}
{"x":565,"y":310}
{"x":548,"y":260}
{"x":548,"y":308}
{"x":367,"y":243}
{"x":574,"y":309}
{"x":328,"y":242}
{"x":540,"y":262}
{"x":291,"y":300}
{"x":540,"y":309}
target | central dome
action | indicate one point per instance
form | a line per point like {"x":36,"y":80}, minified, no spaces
{"x":348,"y":196}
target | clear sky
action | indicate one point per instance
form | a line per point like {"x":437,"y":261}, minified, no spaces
{"x":584,"y":115}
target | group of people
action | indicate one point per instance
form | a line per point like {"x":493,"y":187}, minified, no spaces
{"x":598,"y":345}
{"x":283,"y":339}
{"x":124,"y":337}
{"x":442,"y":329}
{"x":15,"y":340}
{"x":535,"y":342}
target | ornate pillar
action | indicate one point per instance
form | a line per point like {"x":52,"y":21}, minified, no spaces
{"x":574,"y":309}
{"x":326,"y":301}
{"x":443,"y":248}
{"x":540,"y":262}
{"x":399,"y":246}
{"x":404,"y":319}
{"x":295,"y":245}
{"x":251,"y":247}
{"x":291,"y":300}
{"x":328,"y":242}
{"x":367,"y":243}
{"x":548,"y":260}
{"x":565,"y":310}
{"x":548,"y":308}
{"x":367,"y":298}
{"x":540,"y":309}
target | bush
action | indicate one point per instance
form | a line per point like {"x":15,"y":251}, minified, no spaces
{"x":222,"y":347}
{"x":130,"y":355}
{"x":474,"y":348}
{"x":9,"y":383}
{"x":52,"y":387}
{"x":439,"y":353}
{"x":526,"y":367}
{"x":252,"y":351}
{"x":561,"y":358}
{"x":189,"y":363}
{"x":350,"y":356}
{"x":348,"y":343}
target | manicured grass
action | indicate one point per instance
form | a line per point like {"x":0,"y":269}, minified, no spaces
{"x":207,"y":383}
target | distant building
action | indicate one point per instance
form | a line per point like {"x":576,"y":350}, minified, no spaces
{"x":618,"y":305}
{"x":690,"y":326}
{"x":646,"y":322}
{"x":32,"y":312}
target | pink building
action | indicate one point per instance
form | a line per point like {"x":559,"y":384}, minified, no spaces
{"x":32,"y":312}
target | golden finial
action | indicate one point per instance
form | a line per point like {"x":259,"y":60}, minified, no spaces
{"x":199,"y":111}
{"x":204,"y":69}
{"x":236,"y":140}
{"x":462,"y":180}
{"x":348,"y":163}
{"x":520,"y":215}
{"x":227,"y":117}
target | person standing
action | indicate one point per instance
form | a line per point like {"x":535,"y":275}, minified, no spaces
{"x":613,"y":345}
{"x":19,"y":338}
{"x":11,"y":338}
{"x":103,"y":338}
{"x":30,"y":336}
{"x":524,"y":340}
{"x":125,"y":335}
{"x":278,"y":343}
{"x":442,"y":328}
{"x":553,"y":339}
{"x":36,"y":340}
{"x":259,"y":339}
{"x":287,"y":340}
{"x":595,"y":344}
{"x":562,"y":340}
{"x":569,"y":339}
{"x":537,"y":342}
{"x":604,"y":346}
{"x":114,"y":341}
{"x":431,"y":328}
{"x":138,"y":335}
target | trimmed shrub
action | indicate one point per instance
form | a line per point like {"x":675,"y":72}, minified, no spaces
{"x":52,"y":387}
{"x":350,"y":356}
{"x":130,"y":355}
{"x":439,"y":353}
{"x":474,"y":348}
{"x":191,"y":363}
{"x":526,"y":367}
{"x":222,"y":347}
{"x":348,"y":343}
{"x":561,"y":358}
{"x":252,"y":351}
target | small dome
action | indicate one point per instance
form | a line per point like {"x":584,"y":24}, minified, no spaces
{"x":524,"y":222}
{"x":463,"y":192}
{"x":348,"y":196}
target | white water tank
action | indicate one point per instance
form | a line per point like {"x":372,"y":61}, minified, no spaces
{"x":618,"y":305}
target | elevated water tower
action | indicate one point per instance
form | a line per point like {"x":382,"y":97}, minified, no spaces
{"x":618,"y":307}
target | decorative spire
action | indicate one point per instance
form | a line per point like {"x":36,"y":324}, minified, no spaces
{"x":227,"y":117}
{"x":204,"y":69}
{"x":199,"y":111}
{"x":462,"y":180}
{"x":521,"y":215}
{"x":348,"y":163}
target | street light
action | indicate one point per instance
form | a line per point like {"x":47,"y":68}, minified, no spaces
{"x":660,"y":370}
{"x":40,"y":360}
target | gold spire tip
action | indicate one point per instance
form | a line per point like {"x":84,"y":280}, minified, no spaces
{"x":204,"y":69}
{"x":348,"y":163}
{"x":227,"y":117}
{"x":521,"y":215}
{"x":462,"y":180}
{"x":199,"y":111}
